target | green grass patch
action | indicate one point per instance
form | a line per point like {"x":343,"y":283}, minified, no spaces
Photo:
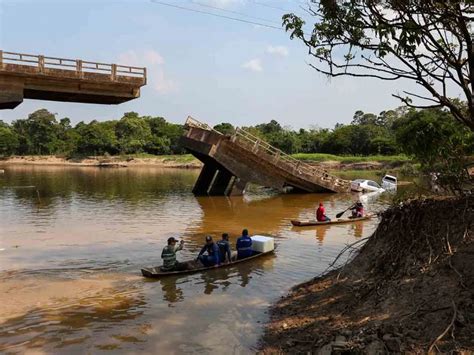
{"x":184,"y":158}
{"x":320,"y":157}
{"x":179,"y":158}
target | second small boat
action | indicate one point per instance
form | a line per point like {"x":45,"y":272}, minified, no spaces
{"x":313,"y":222}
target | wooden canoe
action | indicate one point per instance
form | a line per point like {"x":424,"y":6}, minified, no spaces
{"x":195,"y":266}
{"x":314,"y":222}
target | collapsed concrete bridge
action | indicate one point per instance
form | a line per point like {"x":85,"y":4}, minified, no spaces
{"x":233,"y":161}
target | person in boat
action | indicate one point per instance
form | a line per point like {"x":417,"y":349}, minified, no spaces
{"x":212,"y":256}
{"x":169,"y":256}
{"x":357,"y":210}
{"x":244,"y":245}
{"x":224,"y":249}
{"x":321,"y":214}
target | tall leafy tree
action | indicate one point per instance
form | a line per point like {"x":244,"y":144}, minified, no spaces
{"x":8,"y":139}
{"x":428,"y":42}
{"x":268,"y":128}
{"x":439,"y":143}
{"x":97,"y":138}
{"x":225,"y":128}
{"x":133,"y":133}
{"x":38,"y":133}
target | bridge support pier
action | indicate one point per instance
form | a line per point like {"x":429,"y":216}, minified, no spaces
{"x":238,"y":187}
{"x":201,"y":187}
{"x":221,"y":183}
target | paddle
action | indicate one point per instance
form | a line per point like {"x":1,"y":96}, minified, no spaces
{"x":341,"y":213}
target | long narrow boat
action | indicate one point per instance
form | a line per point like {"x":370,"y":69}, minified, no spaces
{"x":313,"y":222}
{"x":195,"y":266}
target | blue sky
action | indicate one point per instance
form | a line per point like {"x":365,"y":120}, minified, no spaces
{"x":214,"y":69}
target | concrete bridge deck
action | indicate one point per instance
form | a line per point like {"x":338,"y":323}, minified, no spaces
{"x":231,"y":162}
{"x":27,"y":76}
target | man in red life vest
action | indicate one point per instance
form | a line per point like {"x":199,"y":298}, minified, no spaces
{"x":321,"y":214}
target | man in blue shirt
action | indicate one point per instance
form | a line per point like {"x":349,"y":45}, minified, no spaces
{"x":244,"y":245}
{"x":225,"y":253}
{"x":212,"y":257}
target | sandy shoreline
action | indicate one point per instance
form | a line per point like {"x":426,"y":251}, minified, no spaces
{"x":177,"y":161}
{"x":103,"y":162}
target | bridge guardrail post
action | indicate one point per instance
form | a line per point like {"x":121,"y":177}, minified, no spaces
{"x":277,"y":157}
{"x":255,"y":147}
{"x":41,"y":63}
{"x":113,"y":75}
{"x":297,"y":165}
{"x":79,"y":71}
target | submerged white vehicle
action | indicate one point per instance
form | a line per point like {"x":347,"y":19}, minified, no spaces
{"x":389,"y":182}
{"x":361,"y":185}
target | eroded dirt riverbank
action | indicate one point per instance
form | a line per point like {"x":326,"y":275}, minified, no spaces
{"x":411,"y":288}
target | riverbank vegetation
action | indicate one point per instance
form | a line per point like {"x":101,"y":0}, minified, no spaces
{"x":386,"y":137}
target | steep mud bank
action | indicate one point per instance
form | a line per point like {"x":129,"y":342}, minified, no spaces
{"x":410,"y":288}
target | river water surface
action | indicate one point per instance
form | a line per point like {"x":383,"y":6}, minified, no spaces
{"x":72,"y":246}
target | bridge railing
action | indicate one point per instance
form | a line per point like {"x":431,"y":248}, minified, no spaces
{"x":285,"y":160}
{"x":192,"y":122}
{"x":279,"y":156}
{"x":79,"y":66}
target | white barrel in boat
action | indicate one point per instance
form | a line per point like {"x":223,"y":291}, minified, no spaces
{"x":262,"y":244}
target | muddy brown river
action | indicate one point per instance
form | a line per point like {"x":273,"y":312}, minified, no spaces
{"x":73,"y":240}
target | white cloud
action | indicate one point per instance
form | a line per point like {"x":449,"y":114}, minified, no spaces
{"x":154,"y":62}
{"x":278,"y":50}
{"x":154,"y":58}
{"x":254,"y":65}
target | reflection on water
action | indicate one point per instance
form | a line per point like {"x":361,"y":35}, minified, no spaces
{"x":70,"y":260}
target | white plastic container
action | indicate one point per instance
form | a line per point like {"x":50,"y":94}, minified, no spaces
{"x":262,"y":244}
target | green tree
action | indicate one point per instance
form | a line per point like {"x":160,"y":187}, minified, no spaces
{"x":225,"y":128}
{"x":313,"y":140}
{"x":269,"y":128}
{"x":361,"y":118}
{"x":97,"y":138}
{"x":438,"y":142}
{"x":427,"y":42}
{"x":8,"y":140}
{"x":165,"y":136}
{"x":38,"y":134}
{"x":133,"y":133}
{"x":285,"y":140}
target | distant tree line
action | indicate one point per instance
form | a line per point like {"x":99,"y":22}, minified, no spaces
{"x":403,"y":130}
{"x":42,"y":134}
{"x":424,"y":134}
